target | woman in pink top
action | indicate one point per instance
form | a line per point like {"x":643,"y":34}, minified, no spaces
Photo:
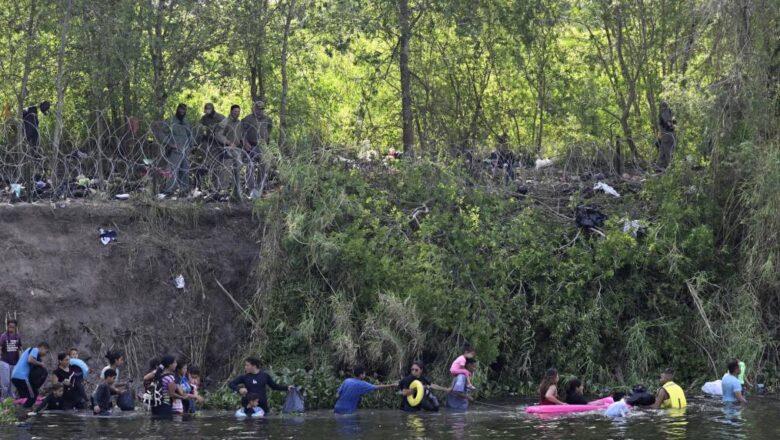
{"x":458,"y":367}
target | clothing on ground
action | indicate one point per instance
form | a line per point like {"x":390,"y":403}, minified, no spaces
{"x":350,"y":393}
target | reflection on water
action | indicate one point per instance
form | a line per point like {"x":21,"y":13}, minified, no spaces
{"x":703,"y":419}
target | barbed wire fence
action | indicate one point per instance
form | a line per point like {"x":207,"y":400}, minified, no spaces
{"x":102,"y":161}
{"x":111,"y":161}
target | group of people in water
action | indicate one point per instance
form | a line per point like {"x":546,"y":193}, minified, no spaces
{"x":171,"y":386}
{"x":669,"y":395}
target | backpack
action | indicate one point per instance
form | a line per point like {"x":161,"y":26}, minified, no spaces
{"x":125,"y":401}
{"x":640,"y":397}
{"x":155,"y":395}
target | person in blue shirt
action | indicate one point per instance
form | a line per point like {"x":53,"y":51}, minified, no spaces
{"x":30,"y":373}
{"x":353,"y":389}
{"x":458,"y":397}
{"x":732,"y":389}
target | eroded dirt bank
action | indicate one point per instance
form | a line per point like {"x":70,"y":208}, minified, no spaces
{"x":67,"y":288}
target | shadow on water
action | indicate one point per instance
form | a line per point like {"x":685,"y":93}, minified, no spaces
{"x":703,"y":419}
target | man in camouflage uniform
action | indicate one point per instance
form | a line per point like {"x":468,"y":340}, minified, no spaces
{"x":178,"y":141}
{"x":256,"y":134}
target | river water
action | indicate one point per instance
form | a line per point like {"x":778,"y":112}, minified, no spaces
{"x":703,"y":419}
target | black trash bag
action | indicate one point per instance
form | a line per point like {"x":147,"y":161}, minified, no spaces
{"x":294,"y":402}
{"x":587,"y":217}
{"x":126,"y":401}
{"x":640,"y":397}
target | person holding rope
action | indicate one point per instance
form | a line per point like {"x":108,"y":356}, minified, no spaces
{"x":458,"y":398}
{"x":416,"y":390}
{"x":352,"y":391}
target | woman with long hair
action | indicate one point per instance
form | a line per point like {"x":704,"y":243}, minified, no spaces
{"x":548,"y":389}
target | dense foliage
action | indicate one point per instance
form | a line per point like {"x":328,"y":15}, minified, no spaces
{"x":382,"y":264}
{"x":388,"y":265}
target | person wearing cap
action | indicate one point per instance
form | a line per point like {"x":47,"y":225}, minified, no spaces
{"x":178,"y":143}
{"x":256,"y":134}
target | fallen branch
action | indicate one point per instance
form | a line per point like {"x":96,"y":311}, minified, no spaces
{"x":248,"y":315}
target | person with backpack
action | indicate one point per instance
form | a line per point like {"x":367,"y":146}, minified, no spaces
{"x":30,"y":373}
{"x":164,"y":390}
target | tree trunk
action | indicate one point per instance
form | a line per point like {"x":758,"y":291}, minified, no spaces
{"x":628,"y":133}
{"x":30,"y":37}
{"x":158,"y":67}
{"x":406,"y":77}
{"x":283,"y":99}
{"x":60,"y":85}
{"x":541,"y":104}
{"x":256,"y":53}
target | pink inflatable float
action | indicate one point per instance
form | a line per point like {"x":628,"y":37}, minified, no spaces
{"x":563,"y":409}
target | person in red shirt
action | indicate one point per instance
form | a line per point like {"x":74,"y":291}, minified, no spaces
{"x":548,"y":389}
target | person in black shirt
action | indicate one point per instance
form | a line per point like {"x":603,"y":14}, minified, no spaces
{"x":101,"y":398}
{"x":54,"y":400}
{"x":574,"y":392}
{"x":66,"y":375}
{"x":255,"y":381}
{"x":429,"y":401}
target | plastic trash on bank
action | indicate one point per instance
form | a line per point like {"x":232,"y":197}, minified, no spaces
{"x":179,"y":282}
{"x":107,"y":236}
{"x":601,"y":186}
